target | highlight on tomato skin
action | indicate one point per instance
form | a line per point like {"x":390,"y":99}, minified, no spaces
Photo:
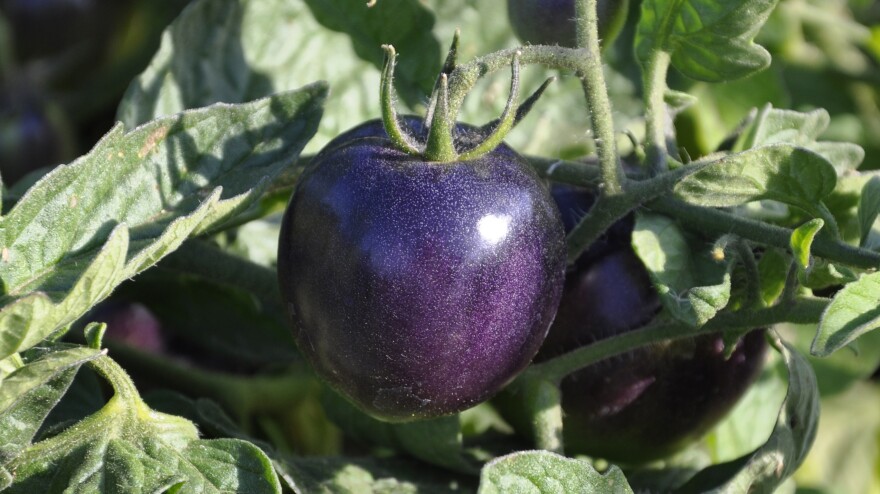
{"x":648,"y":403}
{"x":419,"y":289}
{"x":551,"y":22}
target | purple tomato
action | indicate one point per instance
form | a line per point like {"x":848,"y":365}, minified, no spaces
{"x":419,"y":289}
{"x":651,"y":402}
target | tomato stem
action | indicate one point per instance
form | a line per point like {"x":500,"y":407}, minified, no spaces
{"x":596,"y":93}
{"x":704,"y":219}
{"x":655,"y":111}
{"x":804,"y":310}
{"x":465,"y":76}
{"x":722,"y":222}
{"x":547,"y":415}
{"x":242,"y":395}
{"x":448,"y":66}
{"x":123,"y":387}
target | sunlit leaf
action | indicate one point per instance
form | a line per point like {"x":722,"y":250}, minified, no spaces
{"x":234,"y":51}
{"x":708,"y":40}
{"x":542,"y":472}
{"x":88,"y":226}
{"x":29,"y":393}
{"x":677,"y":272}
{"x":776,"y":126}
{"x":853,"y":311}
{"x":783,"y":173}
{"x":134,"y":449}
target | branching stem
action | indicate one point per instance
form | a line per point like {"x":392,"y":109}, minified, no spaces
{"x":803,"y":311}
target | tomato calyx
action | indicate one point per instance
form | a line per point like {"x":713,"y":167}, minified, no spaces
{"x":440,"y":118}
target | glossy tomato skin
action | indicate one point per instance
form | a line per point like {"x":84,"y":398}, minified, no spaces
{"x":419,"y":289}
{"x":551,"y":22}
{"x":648,"y":403}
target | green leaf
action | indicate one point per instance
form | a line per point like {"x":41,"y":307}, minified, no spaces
{"x":83,"y":397}
{"x":853,"y":311}
{"x":845,"y":203}
{"x":774,"y":126}
{"x":725,"y":110}
{"x":239,"y":50}
{"x":773,"y":270}
{"x":134,"y":449}
{"x":869,"y":208}
{"x":29,"y":393}
{"x":542,"y":472}
{"x":815,"y":273}
{"x":170,"y":179}
{"x":257,"y":240}
{"x":436,"y":441}
{"x":367,"y":475}
{"x":802,"y":240}
{"x":320,"y":474}
{"x":780,"y":172}
{"x":402,"y":23}
{"x":751,"y":421}
{"x":32,"y":318}
{"x":765,"y":469}
{"x":677,"y":273}
{"x":708,"y":40}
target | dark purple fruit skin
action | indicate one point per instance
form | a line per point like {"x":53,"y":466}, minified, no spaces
{"x":651,"y":402}
{"x":419,"y":289}
{"x":551,"y":22}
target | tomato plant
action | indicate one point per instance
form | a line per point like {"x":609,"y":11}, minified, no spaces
{"x":721,"y":285}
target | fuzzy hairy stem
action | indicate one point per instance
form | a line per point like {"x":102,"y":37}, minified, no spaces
{"x":655,"y":111}
{"x":596,"y":93}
